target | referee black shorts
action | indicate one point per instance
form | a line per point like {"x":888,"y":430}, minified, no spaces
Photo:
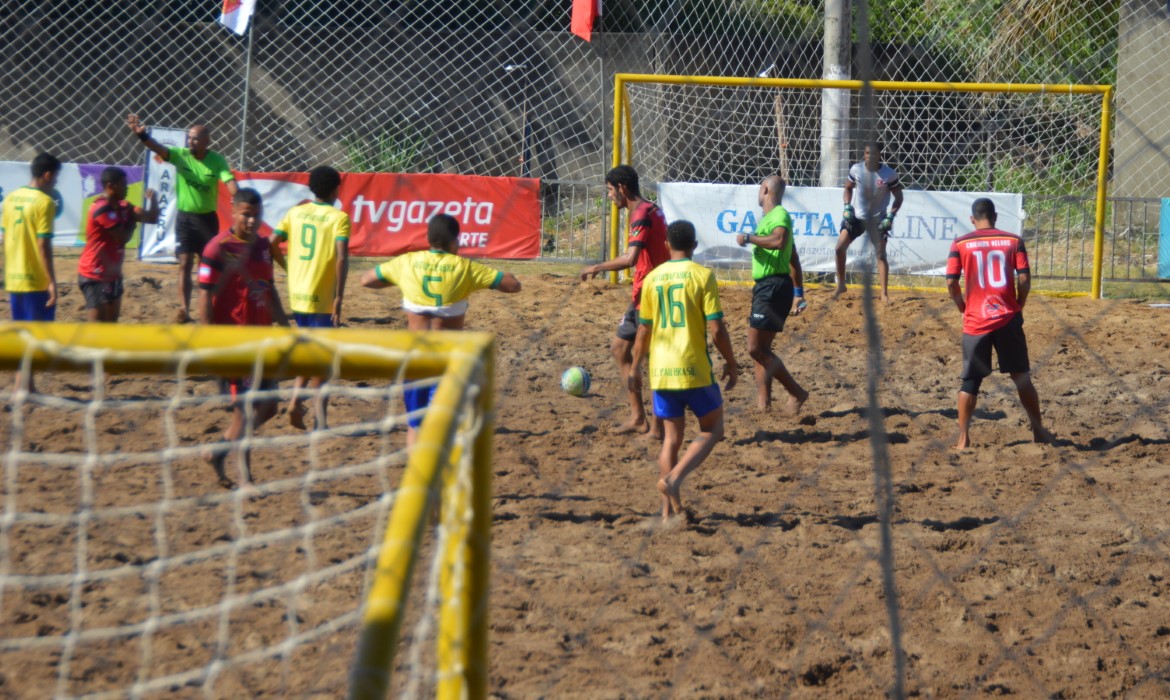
{"x":771,"y":303}
{"x":194,"y":231}
{"x":1011,"y":349}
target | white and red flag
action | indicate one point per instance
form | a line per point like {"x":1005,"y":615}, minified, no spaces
{"x":235,"y":15}
{"x":585,"y":13}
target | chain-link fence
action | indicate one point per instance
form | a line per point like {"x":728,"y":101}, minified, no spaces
{"x":500,"y":87}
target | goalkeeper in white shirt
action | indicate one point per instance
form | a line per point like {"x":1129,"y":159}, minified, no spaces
{"x":875,"y":183}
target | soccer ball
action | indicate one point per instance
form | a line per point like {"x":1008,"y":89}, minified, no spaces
{"x":575,"y":381}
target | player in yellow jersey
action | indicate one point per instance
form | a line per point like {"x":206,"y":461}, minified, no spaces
{"x":318,"y":263}
{"x":435,"y":286}
{"x":680,"y":303}
{"x":27,"y":226}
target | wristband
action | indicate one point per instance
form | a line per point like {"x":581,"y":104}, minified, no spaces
{"x":143,"y":136}
{"x":798,"y":291}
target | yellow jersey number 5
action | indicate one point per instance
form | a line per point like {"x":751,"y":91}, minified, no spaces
{"x":426,"y":288}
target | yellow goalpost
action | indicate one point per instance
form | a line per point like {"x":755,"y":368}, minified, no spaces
{"x":457,"y":429}
{"x":623,"y":127}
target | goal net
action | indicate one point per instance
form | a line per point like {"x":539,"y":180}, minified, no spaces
{"x":703,"y":144}
{"x":127,"y":571}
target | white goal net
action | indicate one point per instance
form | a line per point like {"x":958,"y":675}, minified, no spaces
{"x":126,"y":571}
{"x":1041,"y":144}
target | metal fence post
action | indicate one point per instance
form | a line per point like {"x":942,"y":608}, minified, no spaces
{"x":242,"y":160}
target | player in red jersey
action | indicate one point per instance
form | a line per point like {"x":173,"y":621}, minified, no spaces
{"x":236,"y":288}
{"x":646,"y":250}
{"x":995,"y":264}
{"x":108,"y":228}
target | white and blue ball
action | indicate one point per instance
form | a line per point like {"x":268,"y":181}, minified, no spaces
{"x":575,"y":381}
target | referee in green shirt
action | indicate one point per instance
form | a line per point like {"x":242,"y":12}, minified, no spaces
{"x":200,"y":171}
{"x":772,"y":295}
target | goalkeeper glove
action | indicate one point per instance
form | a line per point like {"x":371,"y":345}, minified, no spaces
{"x":848,"y":215}
{"x":886,"y":224}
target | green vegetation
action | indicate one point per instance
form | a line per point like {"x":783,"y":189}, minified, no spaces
{"x":395,"y":149}
{"x":578,"y":232}
{"x":1060,"y":175}
{"x":799,"y":18}
{"x":1027,"y":41}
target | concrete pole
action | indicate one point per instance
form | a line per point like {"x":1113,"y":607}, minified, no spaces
{"x":836,"y":104}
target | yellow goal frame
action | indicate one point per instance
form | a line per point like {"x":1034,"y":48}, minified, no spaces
{"x":464,"y":360}
{"x":623,"y":129}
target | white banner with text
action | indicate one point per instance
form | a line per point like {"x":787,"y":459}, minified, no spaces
{"x":158,"y":240}
{"x":918,"y":244}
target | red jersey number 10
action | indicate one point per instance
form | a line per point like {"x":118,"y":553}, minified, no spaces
{"x":993,"y":273}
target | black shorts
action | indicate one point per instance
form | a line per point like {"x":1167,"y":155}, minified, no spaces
{"x":855,"y":228}
{"x":771,"y":303}
{"x":98,"y":293}
{"x":194,"y":231}
{"x":627,"y":329}
{"x":1011,"y":348}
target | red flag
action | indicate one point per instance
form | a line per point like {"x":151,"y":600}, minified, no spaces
{"x":585,"y":12}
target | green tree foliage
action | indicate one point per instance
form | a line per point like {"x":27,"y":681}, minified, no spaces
{"x":1034,"y":41}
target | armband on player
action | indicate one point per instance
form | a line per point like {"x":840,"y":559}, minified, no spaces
{"x":799,"y":305}
{"x":887,"y":223}
{"x":848,"y":214}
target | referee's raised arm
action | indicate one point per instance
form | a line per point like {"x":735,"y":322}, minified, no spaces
{"x":143,"y":133}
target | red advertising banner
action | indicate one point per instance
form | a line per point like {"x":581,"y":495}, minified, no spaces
{"x":499,"y":217}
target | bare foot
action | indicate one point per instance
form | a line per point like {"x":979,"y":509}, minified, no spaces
{"x":181,"y":316}
{"x":838,"y":292}
{"x":963,"y":442}
{"x":1043,"y":436}
{"x":631,"y":428}
{"x":795,"y":403}
{"x":885,"y":297}
{"x":667,"y":511}
{"x":672,"y":494}
{"x":296,"y":415}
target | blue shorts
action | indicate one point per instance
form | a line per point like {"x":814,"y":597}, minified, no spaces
{"x":672,"y":403}
{"x":416,"y":399}
{"x":30,"y":306}
{"x":313,"y":320}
